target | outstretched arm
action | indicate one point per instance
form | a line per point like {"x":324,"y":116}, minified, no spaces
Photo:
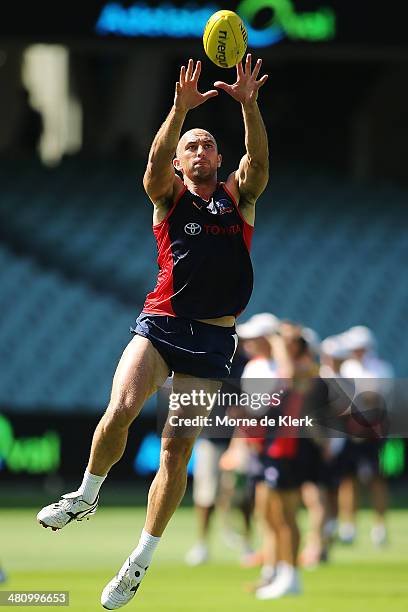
{"x":252,"y":174}
{"x":160,"y":180}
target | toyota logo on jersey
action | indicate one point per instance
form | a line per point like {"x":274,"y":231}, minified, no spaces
{"x":192,"y":229}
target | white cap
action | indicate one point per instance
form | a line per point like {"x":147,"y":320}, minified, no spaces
{"x":312,"y":338}
{"x":262,"y":324}
{"x":359,"y":337}
{"x":334,"y":346}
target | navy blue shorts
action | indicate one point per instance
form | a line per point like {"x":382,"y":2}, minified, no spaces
{"x":188,"y":346}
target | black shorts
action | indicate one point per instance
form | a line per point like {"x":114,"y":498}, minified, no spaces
{"x":281,"y":474}
{"x":188,"y":346}
{"x":359,"y":458}
{"x":313,"y":468}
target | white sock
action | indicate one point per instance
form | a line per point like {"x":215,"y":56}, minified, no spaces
{"x":285,"y":568}
{"x":90,"y":486}
{"x":268,"y":572}
{"x":143,"y":553}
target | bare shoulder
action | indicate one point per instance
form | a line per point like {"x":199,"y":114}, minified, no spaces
{"x":246,"y":207}
{"x":163,"y":205}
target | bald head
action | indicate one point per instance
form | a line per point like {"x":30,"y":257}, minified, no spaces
{"x":194,"y":135}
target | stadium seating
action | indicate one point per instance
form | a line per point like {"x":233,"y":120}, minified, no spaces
{"x":78,"y":257}
{"x":59,"y":340}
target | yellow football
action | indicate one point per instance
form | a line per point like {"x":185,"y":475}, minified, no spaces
{"x":225,"y":39}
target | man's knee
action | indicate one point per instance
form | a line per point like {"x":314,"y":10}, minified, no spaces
{"x":122,"y":411}
{"x":176,"y":453}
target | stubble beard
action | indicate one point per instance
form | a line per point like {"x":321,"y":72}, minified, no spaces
{"x":203,"y":174}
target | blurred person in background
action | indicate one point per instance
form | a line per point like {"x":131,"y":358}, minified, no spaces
{"x":312,"y":451}
{"x":235,"y":493}
{"x":282,"y":457}
{"x":314,"y":487}
{"x":360,"y":456}
{"x":206,"y":482}
{"x":211,"y":490}
{"x":261,"y":366}
{"x":332,"y":355}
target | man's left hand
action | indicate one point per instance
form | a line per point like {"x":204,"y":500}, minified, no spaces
{"x":246,"y":87}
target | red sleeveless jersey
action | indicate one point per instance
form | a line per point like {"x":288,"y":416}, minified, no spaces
{"x":205,"y":269}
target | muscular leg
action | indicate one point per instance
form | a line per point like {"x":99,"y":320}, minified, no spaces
{"x":141,"y":370}
{"x":169,"y":484}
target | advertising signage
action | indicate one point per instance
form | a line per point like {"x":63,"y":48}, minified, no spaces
{"x":269,"y":22}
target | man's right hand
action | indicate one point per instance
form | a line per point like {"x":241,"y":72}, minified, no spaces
{"x":187,"y":95}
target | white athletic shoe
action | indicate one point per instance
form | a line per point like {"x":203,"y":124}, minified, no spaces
{"x":122,"y":588}
{"x":285,"y":583}
{"x":71,"y":507}
{"x":197,"y":555}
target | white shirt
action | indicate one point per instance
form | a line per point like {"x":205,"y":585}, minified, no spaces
{"x":260,"y":375}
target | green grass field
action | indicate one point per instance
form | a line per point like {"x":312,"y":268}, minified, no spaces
{"x":85,"y":556}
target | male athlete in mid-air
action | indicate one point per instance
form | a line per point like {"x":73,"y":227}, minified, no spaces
{"x":203,"y":230}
